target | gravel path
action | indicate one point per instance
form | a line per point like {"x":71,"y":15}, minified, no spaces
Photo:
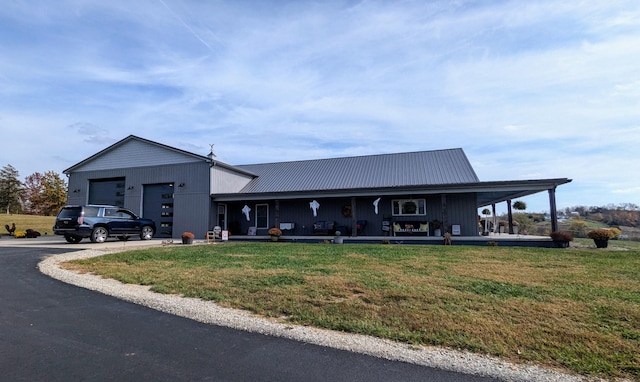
{"x":210,"y":313}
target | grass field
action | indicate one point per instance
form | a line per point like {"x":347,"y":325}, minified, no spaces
{"x":576,"y":309}
{"x":42,"y":224}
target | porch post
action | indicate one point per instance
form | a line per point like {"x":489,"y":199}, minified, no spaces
{"x":445,"y":213}
{"x":277,"y":214}
{"x":493,"y":210}
{"x":354,"y":218}
{"x":552,"y":207}
{"x":510,"y":216}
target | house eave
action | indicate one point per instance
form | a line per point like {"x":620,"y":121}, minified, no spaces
{"x":502,"y":189}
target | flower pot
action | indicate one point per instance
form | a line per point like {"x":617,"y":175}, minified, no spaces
{"x":601,"y":243}
{"x":437,"y":232}
{"x":187,"y":240}
{"x":561,"y":244}
{"x":338,"y":240}
{"x":274,"y":238}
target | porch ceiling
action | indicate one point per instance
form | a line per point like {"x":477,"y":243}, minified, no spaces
{"x":487,"y":192}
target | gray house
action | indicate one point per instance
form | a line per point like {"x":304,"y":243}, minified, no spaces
{"x":422,"y":193}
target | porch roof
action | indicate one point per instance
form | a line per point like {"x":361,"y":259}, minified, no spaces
{"x":422,"y":172}
{"x":438,"y":167}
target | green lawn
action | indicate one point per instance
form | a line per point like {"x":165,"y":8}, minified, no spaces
{"x":42,"y":224}
{"x":577,"y":309}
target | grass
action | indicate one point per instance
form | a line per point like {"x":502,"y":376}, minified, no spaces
{"x":574,"y":309}
{"x":42,"y":224}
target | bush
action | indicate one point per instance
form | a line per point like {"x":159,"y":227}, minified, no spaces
{"x":616,"y":233}
{"x":578,"y":228}
{"x":600,"y":234}
{"x":561,"y":236}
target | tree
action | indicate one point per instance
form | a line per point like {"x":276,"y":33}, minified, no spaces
{"x":44,"y":194}
{"x":54,"y":195}
{"x":10,"y":189}
{"x":32,"y":191}
{"x":520,"y":205}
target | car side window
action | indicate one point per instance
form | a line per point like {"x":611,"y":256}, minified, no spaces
{"x":91,"y":211}
{"x":111,"y":213}
{"x":126,"y":214}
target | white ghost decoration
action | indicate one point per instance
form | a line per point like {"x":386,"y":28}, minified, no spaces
{"x":314,"y":206}
{"x":375,"y":205}
{"x":245,"y":210}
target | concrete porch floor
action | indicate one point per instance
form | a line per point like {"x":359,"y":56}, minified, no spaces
{"x":504,"y":239}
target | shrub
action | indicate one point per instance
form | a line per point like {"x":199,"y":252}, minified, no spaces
{"x":616,"y":233}
{"x":188,"y":235}
{"x":275,"y":232}
{"x":578,"y":228}
{"x":600,"y":234}
{"x":561,"y":236}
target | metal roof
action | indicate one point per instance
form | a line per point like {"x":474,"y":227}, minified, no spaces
{"x":422,"y":168}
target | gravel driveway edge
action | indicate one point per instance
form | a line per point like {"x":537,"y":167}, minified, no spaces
{"x":210,"y":313}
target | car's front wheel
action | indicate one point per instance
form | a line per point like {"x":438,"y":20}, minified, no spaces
{"x":99,"y":235}
{"x":72,"y":239}
{"x":146,"y":233}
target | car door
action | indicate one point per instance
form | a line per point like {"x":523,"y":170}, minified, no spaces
{"x":129,"y":222}
{"x":114,"y":221}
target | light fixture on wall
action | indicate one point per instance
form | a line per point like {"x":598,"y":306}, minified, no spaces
{"x":181,"y":185}
{"x":130,"y":188}
{"x":76,"y":190}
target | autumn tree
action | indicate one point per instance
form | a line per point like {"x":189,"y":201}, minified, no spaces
{"x":54,"y":195}
{"x":44,"y":194}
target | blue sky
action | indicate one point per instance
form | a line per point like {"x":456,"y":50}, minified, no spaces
{"x":529,"y":89}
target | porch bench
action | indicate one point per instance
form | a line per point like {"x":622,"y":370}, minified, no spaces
{"x":405,"y":228}
{"x":324,"y":228}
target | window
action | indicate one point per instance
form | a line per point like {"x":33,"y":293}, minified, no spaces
{"x":408,"y":207}
{"x":262,"y":216}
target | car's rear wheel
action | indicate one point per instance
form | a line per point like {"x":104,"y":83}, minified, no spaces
{"x":72,"y":239}
{"x":99,"y":235}
{"x":146,"y":233}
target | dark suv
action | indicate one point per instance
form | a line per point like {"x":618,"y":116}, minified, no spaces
{"x":98,"y":222}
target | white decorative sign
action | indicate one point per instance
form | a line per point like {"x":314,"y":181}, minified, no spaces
{"x":455,"y":229}
{"x":314,"y":206}
{"x":225,"y":235}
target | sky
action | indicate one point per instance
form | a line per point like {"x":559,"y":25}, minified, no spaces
{"x":528,"y":89}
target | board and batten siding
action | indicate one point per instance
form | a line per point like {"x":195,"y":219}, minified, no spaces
{"x":134,"y":153}
{"x":225,"y":181}
{"x":191,"y":201}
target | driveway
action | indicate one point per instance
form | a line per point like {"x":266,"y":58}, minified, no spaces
{"x":53,"y":331}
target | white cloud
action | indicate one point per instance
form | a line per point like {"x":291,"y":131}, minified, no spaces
{"x":528,"y":89}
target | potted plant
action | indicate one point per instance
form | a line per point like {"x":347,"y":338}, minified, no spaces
{"x":338,"y":239}
{"x":486,"y":212}
{"x":516,"y":227}
{"x":600,"y":237}
{"x":187,"y":237}
{"x":436,"y":225}
{"x":561,"y":238}
{"x":275,"y":233}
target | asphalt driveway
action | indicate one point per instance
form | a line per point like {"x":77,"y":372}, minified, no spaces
{"x":57,"y":332}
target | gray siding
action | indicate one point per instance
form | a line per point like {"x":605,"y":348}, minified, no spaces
{"x":460,"y":207}
{"x":135,"y":153}
{"x":225,"y":181}
{"x":191,"y":202}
